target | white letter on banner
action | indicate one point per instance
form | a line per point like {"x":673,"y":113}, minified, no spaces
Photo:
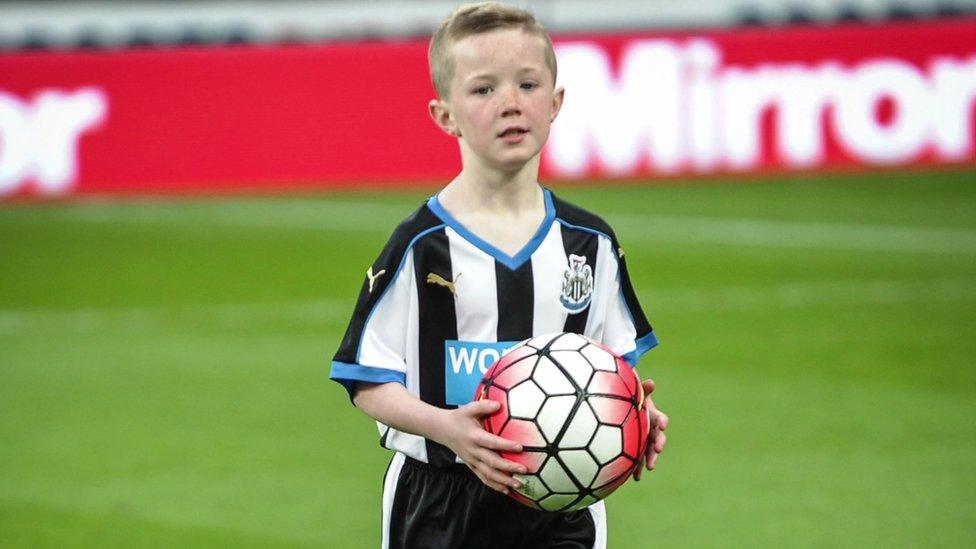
{"x":59,"y":121}
{"x":803,"y":99}
{"x":15,"y":143}
{"x":41,"y":140}
{"x":620,"y":121}
{"x":955,"y":93}
{"x":745,"y":96}
{"x":858,"y":127}
{"x":797,"y":96}
{"x":704,"y":139}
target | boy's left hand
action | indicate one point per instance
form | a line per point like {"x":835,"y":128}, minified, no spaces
{"x":658,"y":423}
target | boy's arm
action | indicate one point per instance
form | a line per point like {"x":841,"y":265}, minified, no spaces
{"x":458,"y":429}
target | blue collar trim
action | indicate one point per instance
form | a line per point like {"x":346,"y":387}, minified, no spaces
{"x":513,"y":262}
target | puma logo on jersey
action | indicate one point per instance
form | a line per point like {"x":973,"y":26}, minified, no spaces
{"x":433,"y":278}
{"x":372,"y":277}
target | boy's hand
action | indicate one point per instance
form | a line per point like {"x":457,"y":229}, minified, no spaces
{"x":658,"y":423}
{"x":461,"y":431}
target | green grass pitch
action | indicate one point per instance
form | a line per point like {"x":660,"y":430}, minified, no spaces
{"x":163,"y":365}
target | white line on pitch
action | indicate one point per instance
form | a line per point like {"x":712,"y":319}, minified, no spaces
{"x":145,"y":319}
{"x":372,"y":217}
{"x":302,"y":215}
{"x":318,"y":312}
{"x":791,"y":234}
{"x":807,"y":294}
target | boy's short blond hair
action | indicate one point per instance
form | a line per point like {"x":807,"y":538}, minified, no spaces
{"x":472,"y":19}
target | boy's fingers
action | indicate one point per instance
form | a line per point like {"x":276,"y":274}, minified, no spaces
{"x":498,"y":477}
{"x":494,"y":461}
{"x":481,"y":407}
{"x":505,"y":480}
{"x":648,"y":385}
{"x":659,"y":442}
{"x":497,"y":486}
{"x":487,"y":480}
{"x":495,"y":442}
{"x":652,"y":449}
{"x":512,"y":467}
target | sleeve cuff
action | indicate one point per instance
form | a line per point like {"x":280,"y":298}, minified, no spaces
{"x":644,"y":344}
{"x":348,"y":374}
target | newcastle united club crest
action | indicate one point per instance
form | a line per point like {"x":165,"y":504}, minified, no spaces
{"x":577,"y":285}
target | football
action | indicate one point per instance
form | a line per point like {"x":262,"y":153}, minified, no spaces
{"x":578,"y":411}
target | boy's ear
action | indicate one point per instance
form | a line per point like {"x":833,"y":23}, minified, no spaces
{"x":557,"y":102}
{"x":440,"y":113}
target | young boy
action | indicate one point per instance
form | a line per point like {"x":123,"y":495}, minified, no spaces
{"x":480,"y":265}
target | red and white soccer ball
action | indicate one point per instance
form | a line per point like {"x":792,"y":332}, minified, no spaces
{"x":578,"y":411}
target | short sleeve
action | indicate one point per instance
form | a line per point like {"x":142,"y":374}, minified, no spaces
{"x":374,"y":347}
{"x":626,"y":329}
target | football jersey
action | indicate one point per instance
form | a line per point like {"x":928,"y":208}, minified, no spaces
{"x":440,"y":305}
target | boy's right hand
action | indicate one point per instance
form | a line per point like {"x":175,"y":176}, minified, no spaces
{"x":462,"y":432}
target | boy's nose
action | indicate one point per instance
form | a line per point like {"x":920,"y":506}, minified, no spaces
{"x":510,"y":108}
{"x":510,"y":103}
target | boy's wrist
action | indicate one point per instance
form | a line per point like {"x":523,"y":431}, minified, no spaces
{"x":437,"y":425}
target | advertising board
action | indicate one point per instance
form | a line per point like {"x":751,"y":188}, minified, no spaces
{"x":638,"y":106}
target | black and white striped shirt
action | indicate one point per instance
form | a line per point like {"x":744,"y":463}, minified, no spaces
{"x":440,"y":305}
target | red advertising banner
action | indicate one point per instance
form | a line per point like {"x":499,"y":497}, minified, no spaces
{"x":766,"y":100}
{"x":637,"y":105}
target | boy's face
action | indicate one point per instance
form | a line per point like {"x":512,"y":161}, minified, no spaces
{"x":502,"y":98}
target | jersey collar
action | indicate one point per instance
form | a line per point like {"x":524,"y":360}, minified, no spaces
{"x":513,"y":262}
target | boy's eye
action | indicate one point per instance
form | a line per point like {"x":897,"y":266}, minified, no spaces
{"x":529,"y":85}
{"x":482,"y":90}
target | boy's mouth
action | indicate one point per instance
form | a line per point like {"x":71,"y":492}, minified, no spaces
{"x":513,"y":131}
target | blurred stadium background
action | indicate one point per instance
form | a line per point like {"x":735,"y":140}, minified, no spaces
{"x":191,"y":191}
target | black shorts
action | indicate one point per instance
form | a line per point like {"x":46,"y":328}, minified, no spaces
{"x":425,"y":507}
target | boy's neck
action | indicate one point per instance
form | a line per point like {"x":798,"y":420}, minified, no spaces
{"x":493,"y":191}
{"x":504,"y":211}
